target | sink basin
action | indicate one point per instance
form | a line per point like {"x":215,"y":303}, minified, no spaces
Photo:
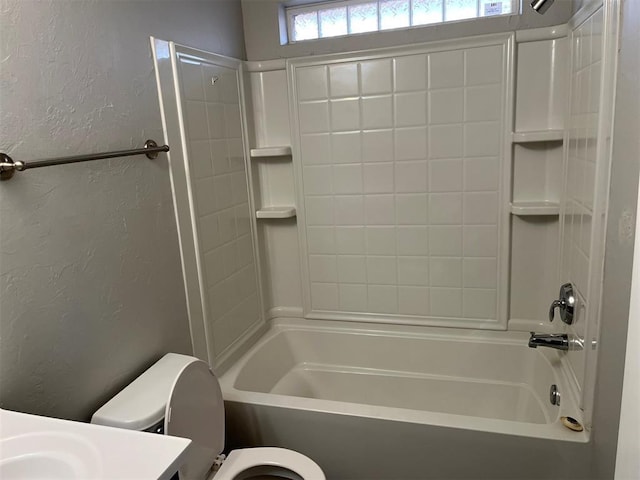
{"x":50,"y":455}
{"x":33,"y":447}
{"x":37,"y":465}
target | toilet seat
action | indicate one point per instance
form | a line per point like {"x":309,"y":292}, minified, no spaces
{"x":243,"y":459}
{"x":187,"y":393}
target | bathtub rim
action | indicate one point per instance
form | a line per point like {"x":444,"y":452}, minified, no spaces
{"x":552,"y":431}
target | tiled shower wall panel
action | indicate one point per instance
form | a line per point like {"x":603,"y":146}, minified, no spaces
{"x":400,"y":162}
{"x":216,"y":163}
{"x":580,"y":180}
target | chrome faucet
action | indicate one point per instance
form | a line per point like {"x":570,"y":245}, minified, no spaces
{"x":559,"y":341}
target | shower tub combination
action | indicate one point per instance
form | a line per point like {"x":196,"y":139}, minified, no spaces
{"x":365,"y":401}
{"x":408,"y":402}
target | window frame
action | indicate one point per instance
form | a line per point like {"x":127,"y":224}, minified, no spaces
{"x":294,"y":10}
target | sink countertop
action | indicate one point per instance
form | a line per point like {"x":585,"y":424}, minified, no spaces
{"x":105,"y":452}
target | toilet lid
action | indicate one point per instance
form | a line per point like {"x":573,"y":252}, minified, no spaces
{"x":195,"y":410}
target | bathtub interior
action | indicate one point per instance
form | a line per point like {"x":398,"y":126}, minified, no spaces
{"x":423,"y":374}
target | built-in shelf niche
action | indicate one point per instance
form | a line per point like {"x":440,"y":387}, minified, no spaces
{"x":271,"y":152}
{"x":274,"y":182}
{"x":276,"y":212}
{"x":541,"y":86}
{"x":534,"y":254}
{"x":534,"y":136}
{"x":272,"y":164}
{"x":537,"y":170}
{"x":525,"y":209}
{"x":537,"y":153}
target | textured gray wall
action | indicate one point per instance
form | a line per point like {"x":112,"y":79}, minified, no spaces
{"x":625,"y":168}
{"x":91,"y":287}
{"x":262,"y":34}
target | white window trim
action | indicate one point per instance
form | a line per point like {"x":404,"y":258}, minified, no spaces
{"x":316,"y":7}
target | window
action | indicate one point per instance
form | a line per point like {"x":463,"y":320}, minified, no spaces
{"x":333,"y":19}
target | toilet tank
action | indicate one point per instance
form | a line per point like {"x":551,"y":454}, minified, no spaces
{"x":141,"y":405}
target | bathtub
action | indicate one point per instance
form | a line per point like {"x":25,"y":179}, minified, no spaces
{"x":372,"y":402}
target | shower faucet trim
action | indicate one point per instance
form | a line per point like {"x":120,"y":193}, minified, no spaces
{"x":559,"y":341}
{"x":541,"y":6}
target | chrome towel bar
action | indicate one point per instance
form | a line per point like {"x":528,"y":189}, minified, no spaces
{"x":8,"y":166}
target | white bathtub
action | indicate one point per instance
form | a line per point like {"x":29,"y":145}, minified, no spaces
{"x":372,"y":402}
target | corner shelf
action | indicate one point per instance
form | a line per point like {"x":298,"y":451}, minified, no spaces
{"x":262,"y":152}
{"x":537,"y":136}
{"x":276,"y":212}
{"x":522,"y":209}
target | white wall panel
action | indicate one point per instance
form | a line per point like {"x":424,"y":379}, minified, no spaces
{"x":399,"y":159}
{"x":274,"y":185}
{"x":220,"y":212}
{"x":581,"y":158}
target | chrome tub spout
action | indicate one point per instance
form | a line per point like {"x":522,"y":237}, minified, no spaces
{"x":559,"y":341}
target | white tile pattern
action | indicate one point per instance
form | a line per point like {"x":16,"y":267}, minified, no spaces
{"x":407,"y":225}
{"x":218,"y":178}
{"x":581,"y":157}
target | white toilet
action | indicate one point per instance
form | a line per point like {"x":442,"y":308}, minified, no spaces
{"x":180,"y":396}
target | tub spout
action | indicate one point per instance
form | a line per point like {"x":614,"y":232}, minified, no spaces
{"x":559,"y":341}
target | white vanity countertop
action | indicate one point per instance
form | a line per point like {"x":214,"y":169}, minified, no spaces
{"x":31,"y":443}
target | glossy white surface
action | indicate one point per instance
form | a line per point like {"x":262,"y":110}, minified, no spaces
{"x":534,"y":284}
{"x":543,"y":33}
{"x":48,"y":455}
{"x":580,"y":176}
{"x":276,"y":212}
{"x":542,"y":85}
{"x":594,"y":54}
{"x":202,"y":102}
{"x":344,"y":393}
{"x":535,"y":208}
{"x":141,"y":404}
{"x":274,"y":181}
{"x":360,"y":370}
{"x":541,"y":77}
{"x":195,"y":410}
{"x":270,"y":152}
{"x":537,"y":136}
{"x":270,"y":107}
{"x":215,"y":159}
{"x":268,"y":459}
{"x":389,"y":213}
{"x":537,"y":166}
{"x":40,"y":447}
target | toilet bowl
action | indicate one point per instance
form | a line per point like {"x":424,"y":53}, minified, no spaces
{"x":261,"y":462}
{"x":180,"y":396}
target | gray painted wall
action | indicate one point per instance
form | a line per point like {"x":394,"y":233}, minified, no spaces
{"x":91,"y":289}
{"x":625,"y":168}
{"x":262,"y":33}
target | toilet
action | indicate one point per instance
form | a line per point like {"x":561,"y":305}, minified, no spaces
{"x":180,"y":396}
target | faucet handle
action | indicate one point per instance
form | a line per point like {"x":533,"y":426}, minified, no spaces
{"x":566,"y":304}
{"x":555,"y":304}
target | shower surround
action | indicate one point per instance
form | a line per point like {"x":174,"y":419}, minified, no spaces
{"x":401,"y":171}
{"x":393,"y":193}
